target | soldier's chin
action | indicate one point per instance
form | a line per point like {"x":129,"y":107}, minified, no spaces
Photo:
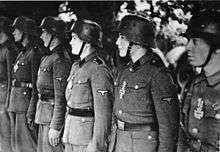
{"x":122,"y":54}
{"x":75,"y":52}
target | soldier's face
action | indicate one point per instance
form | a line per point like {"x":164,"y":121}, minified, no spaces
{"x":76,"y":44}
{"x":3,"y":37}
{"x":123,"y":44}
{"x":45,"y":36}
{"x":198,"y":51}
{"x":17,"y":34}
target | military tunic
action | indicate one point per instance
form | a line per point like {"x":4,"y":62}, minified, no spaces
{"x":51,"y":107}
{"x":23,"y":95}
{"x":145,"y":108}
{"x":90,"y":87}
{"x":201,"y":114}
{"x":8,"y":54}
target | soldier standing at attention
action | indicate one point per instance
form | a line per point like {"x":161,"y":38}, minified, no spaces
{"x":8,"y":54}
{"x":146,"y":106}
{"x":89,"y":92}
{"x":201,"y":97}
{"x":51,"y":84}
{"x":23,"y":92}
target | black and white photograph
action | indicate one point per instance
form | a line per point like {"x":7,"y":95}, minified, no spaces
{"x":110,"y":76}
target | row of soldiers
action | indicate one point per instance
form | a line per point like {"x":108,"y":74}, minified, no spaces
{"x":49,"y":104}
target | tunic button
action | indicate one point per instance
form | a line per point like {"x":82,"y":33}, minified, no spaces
{"x":153,"y":61}
{"x":136,"y":86}
{"x":83,"y":120}
{"x":115,"y":83}
{"x":195,"y":130}
{"x":22,"y":63}
{"x":130,"y":69}
{"x":44,"y":70}
{"x":120,"y":112}
{"x":149,"y":137}
{"x":24,"y":93}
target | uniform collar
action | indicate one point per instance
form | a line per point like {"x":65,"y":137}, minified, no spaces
{"x":144,"y":59}
{"x":87,"y":58}
{"x":214,"y":79}
{"x":58,"y":48}
{"x":29,"y":46}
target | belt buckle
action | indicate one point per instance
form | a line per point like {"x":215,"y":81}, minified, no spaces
{"x":121,"y":125}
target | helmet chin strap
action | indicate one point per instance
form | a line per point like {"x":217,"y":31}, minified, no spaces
{"x":22,"y":38}
{"x":212,"y":49}
{"x":51,"y":38}
{"x":81,"y":49}
{"x":129,"y":48}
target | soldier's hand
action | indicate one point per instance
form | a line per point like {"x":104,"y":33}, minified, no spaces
{"x":54,"y":137}
{"x":30,"y":123}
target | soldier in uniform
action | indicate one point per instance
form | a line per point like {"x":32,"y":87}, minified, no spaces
{"x":146,"y":106}
{"x":7,"y":58}
{"x":200,"y":121}
{"x":51,"y":84}
{"x":89,"y":92}
{"x":23,"y":94}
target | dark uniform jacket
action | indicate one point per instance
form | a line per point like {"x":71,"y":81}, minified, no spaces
{"x":146,"y":94}
{"x":200,"y":123}
{"x":90,"y":86}
{"x":51,"y":84}
{"x":8,"y":53}
{"x":23,"y":97}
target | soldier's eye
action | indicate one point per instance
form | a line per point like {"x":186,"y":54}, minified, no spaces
{"x":194,"y":41}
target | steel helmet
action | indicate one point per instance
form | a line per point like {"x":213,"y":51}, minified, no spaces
{"x":88,"y":31}
{"x":26,"y":25}
{"x":55,"y":26}
{"x":206,"y":25}
{"x":138,"y":30}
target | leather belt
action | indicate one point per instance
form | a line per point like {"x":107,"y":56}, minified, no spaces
{"x":81,"y":112}
{"x":45,"y":97}
{"x":135,"y":127}
{"x":21,"y":84}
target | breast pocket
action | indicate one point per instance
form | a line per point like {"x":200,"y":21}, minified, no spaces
{"x":45,"y":77}
{"x":138,"y":90}
{"x":80,"y":92}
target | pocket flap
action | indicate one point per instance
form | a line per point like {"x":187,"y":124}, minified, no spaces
{"x":137,"y":85}
{"x":81,"y":80}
